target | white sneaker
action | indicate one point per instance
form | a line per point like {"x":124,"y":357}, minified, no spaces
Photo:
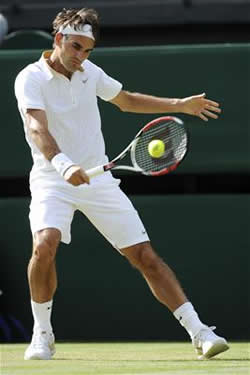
{"x":42,"y":346}
{"x":207,"y":344}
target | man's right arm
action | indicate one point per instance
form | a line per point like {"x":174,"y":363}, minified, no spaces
{"x":37,"y":126}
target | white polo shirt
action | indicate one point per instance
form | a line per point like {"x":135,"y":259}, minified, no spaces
{"x":71,"y":108}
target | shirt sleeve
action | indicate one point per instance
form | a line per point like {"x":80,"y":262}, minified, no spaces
{"x":107,"y":87}
{"x":28,"y":91}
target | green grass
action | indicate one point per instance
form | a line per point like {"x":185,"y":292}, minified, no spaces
{"x":126,"y":358}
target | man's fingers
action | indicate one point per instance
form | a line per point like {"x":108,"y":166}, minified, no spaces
{"x":198,"y":105}
{"x":80,"y":178}
{"x":85,"y":177}
{"x":212,"y":103}
{"x":205,"y":114}
{"x":76,"y":176}
{"x":203,"y":117}
{"x":209,"y":114}
{"x":213,"y":108}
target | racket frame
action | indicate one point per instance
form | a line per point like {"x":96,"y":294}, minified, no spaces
{"x":145,"y":129}
{"x":131,"y":148}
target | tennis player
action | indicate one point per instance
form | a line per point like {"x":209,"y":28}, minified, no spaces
{"x":57,"y":100}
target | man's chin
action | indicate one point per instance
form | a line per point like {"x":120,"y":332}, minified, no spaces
{"x":80,"y":69}
{"x":73,"y":69}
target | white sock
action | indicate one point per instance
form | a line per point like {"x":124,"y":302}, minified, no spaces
{"x":189,"y":319}
{"x":42,"y":314}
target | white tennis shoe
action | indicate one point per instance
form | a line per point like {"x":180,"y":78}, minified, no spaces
{"x":42,"y":346}
{"x":207,"y":344}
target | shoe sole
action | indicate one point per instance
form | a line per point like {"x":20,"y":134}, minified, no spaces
{"x":38,"y":357}
{"x":217,"y":348}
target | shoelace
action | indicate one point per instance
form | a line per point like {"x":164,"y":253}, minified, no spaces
{"x":212,"y":329}
{"x":199,"y":337}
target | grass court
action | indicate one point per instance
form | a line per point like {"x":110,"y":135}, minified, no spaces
{"x":149,"y":358}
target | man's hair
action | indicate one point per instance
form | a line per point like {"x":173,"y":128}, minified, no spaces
{"x":77,"y":18}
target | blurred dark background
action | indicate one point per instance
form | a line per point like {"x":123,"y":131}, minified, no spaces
{"x":144,"y":22}
{"x":201,"y":212}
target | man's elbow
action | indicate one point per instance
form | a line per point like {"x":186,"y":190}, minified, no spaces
{"x":125,"y":102}
{"x":125,"y":108}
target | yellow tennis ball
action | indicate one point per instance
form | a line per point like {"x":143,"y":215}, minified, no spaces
{"x":156,"y":148}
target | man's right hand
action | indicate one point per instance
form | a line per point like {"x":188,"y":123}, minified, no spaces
{"x":76,"y":176}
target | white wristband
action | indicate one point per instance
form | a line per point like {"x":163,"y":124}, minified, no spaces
{"x":61,"y":163}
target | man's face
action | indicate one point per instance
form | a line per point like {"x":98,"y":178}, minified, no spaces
{"x":73,"y":50}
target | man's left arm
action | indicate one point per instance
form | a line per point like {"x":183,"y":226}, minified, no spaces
{"x":196,"y":105}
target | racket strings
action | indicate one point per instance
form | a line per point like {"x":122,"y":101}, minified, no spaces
{"x":175,"y":139}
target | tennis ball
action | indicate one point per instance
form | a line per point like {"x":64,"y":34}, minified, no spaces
{"x":156,"y":148}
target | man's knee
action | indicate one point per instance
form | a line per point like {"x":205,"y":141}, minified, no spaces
{"x":45,"y":244}
{"x":143,"y":257}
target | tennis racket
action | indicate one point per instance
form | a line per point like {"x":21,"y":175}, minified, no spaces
{"x":170,"y":130}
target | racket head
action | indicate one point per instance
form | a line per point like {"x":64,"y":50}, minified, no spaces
{"x":169,"y":129}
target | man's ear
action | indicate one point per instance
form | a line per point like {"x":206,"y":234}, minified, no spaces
{"x":58,"y":39}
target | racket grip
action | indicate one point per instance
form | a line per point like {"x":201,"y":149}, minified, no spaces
{"x":92,"y":172}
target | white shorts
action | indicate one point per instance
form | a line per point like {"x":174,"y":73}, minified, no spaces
{"x":54,"y":202}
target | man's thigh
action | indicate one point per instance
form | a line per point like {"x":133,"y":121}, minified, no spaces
{"x":114,"y":215}
{"x":51,"y":212}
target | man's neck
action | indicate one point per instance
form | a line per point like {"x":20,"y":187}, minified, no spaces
{"x":56,"y":65}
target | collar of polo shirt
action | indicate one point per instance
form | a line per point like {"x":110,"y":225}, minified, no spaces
{"x":46,"y":59}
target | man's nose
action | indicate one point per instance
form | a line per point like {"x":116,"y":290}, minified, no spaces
{"x":81,"y":55}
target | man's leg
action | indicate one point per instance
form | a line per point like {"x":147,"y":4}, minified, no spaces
{"x":166,"y":288}
{"x":41,"y":269}
{"x":42,"y":282}
{"x":113,"y":214}
{"x":160,"y":278}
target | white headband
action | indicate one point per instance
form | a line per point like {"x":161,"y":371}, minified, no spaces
{"x":85,"y":30}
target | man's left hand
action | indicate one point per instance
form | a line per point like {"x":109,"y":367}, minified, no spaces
{"x":199,"y":106}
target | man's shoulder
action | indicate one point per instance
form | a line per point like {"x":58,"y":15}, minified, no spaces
{"x":32,"y":72}
{"x":90,"y":67}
